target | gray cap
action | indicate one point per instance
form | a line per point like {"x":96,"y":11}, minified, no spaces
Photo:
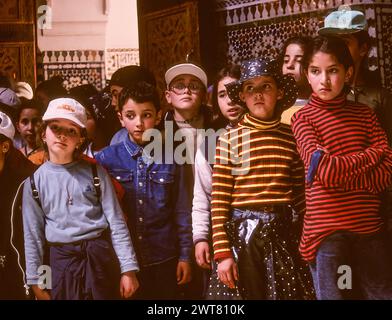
{"x":343,"y":21}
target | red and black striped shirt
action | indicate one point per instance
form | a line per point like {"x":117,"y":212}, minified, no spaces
{"x":356,"y":167}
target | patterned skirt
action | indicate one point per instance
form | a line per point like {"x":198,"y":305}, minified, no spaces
{"x":265,"y":247}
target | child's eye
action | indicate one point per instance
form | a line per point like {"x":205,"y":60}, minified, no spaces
{"x":130,"y":116}
{"x":148,"y":115}
{"x":267,"y":86}
{"x":249,"y":89}
{"x":334,"y":70}
{"x":72,"y":132}
{"x":314,"y":71}
{"x":222,"y":94}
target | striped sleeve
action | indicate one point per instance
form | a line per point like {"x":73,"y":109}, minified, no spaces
{"x":381,"y":177}
{"x":335,"y":171}
{"x":297,"y":176}
{"x":222,"y":189}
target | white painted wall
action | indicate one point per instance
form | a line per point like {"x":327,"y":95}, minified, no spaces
{"x":122,"y":26}
{"x":90,"y":25}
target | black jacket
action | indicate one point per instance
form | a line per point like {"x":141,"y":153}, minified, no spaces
{"x":16,"y":169}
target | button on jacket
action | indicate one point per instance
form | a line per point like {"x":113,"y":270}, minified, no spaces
{"x":156,"y":202}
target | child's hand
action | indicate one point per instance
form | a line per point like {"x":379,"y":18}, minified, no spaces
{"x":40,"y":294}
{"x":228,"y":272}
{"x":202,"y":254}
{"x":184,"y":273}
{"x":128,"y":284}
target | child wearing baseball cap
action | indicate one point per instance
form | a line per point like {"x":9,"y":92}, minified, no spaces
{"x":71,"y":204}
{"x":186,"y":93}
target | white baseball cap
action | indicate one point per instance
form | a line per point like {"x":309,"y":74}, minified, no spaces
{"x":185,"y":68}
{"x":6,"y":126}
{"x":66,"y":108}
{"x":23,"y":89}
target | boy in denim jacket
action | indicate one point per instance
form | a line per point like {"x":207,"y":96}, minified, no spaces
{"x":158,"y":206}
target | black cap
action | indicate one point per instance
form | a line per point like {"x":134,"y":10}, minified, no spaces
{"x":125,"y":76}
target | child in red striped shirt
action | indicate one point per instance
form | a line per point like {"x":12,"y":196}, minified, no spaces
{"x":347,"y":165}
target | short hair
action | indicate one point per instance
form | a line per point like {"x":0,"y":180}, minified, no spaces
{"x":139,"y":92}
{"x":29,"y":104}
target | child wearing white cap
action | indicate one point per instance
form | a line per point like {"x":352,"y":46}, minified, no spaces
{"x":71,"y":205}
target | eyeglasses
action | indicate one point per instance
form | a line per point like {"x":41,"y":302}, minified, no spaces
{"x":180,"y":87}
{"x":69,"y":132}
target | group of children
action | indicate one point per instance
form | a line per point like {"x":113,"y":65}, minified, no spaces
{"x":269,"y":208}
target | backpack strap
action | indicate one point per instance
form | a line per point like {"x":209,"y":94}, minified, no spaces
{"x":34,"y":191}
{"x":96,"y":181}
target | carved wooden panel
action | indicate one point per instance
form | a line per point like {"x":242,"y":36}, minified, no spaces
{"x":10,"y":61}
{"x":9,"y":10}
{"x":167,"y":36}
{"x":17,"y":41}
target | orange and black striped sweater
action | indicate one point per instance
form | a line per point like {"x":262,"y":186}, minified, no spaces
{"x":356,"y":167}
{"x":257,"y":165}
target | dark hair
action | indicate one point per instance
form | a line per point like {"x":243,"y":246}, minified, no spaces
{"x":330,"y":45}
{"x":4,"y":138}
{"x":304,"y":42}
{"x":77,"y":153}
{"x":139,"y":92}
{"x":84,"y":94}
{"x":232,"y":71}
{"x":53,"y":88}
{"x":29,"y":104}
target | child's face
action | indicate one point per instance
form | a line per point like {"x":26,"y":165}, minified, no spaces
{"x":115,"y":91}
{"x":292,"y":61}
{"x":327,"y":76}
{"x":137,"y":118}
{"x":27,"y":126}
{"x":357,"y":52}
{"x":62,"y":138}
{"x":229,"y":110}
{"x":260,"y":95}
{"x":186,"y":92}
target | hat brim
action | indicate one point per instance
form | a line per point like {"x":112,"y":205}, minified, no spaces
{"x":49,"y":117}
{"x":185,"y":68}
{"x":284,"y":82}
{"x":326,"y":31}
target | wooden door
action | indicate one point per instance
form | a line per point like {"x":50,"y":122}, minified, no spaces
{"x":17,"y":40}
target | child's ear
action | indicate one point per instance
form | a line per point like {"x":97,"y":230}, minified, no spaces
{"x":280,"y":94}
{"x":349,"y":74}
{"x":5,"y":147}
{"x":168,"y":97}
{"x":242,"y":96}
{"x":158,"y":117}
{"x":119,"y":115}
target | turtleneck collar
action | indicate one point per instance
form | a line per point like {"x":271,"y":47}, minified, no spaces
{"x":336,"y":103}
{"x":254,"y":123}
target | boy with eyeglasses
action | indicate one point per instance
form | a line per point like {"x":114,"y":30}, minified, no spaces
{"x":187,"y":94}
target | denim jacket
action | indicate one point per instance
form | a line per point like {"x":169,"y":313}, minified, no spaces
{"x":156,"y":202}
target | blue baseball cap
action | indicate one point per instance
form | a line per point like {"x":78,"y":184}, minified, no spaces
{"x":343,"y":21}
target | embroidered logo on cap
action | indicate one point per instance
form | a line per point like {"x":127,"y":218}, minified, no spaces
{"x":66,"y":107}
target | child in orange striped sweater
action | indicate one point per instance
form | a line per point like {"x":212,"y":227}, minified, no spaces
{"x":257,"y":185}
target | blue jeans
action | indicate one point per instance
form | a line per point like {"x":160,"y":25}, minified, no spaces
{"x":369,"y":263}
